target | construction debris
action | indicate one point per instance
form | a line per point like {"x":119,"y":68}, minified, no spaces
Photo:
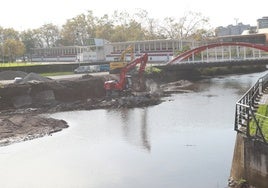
{"x":22,"y":103}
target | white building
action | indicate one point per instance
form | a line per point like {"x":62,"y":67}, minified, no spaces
{"x":158,"y":50}
{"x":103,"y":50}
{"x":96,"y":51}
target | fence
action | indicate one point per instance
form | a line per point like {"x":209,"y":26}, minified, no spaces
{"x":250,"y":118}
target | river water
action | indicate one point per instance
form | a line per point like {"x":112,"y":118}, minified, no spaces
{"x":186,"y":141}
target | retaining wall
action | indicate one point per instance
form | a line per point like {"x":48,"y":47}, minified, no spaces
{"x":250,"y":161}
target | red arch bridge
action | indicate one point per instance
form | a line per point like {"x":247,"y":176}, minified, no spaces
{"x":221,"y":54}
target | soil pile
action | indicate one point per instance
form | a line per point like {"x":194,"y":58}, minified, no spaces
{"x":20,"y":127}
{"x":11,"y":75}
{"x":33,"y":77}
{"x":32,"y":93}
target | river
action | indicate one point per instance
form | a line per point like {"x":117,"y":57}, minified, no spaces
{"x":186,"y":141}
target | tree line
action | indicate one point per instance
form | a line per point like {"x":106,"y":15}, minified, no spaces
{"x":118,"y":27}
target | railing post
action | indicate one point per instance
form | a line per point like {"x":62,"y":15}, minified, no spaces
{"x":261,"y":86}
{"x":248,"y":120}
{"x":246,"y":110}
{"x":236,"y":118}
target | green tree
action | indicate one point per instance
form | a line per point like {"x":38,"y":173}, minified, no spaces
{"x":2,"y":42}
{"x":127,"y":28}
{"x":50,"y":35}
{"x":104,"y":28}
{"x":13,"y":49}
{"x":38,"y":39}
{"x":11,"y":46}
{"x":10,"y":33}
{"x":27,"y":37}
{"x":202,"y":34}
{"x":78,"y":30}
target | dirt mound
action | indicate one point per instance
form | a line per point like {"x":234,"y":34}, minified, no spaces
{"x":10,"y":75}
{"x":33,"y":77}
{"x":16,"y":128}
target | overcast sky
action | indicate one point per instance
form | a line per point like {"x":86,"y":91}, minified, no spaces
{"x":30,"y":14}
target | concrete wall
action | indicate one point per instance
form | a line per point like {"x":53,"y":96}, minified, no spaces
{"x":250,"y":161}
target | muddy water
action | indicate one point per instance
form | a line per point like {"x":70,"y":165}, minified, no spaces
{"x":185,"y":142}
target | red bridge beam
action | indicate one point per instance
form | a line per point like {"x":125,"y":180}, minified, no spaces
{"x":199,"y":49}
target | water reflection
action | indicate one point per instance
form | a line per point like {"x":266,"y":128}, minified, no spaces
{"x":144,"y":131}
{"x":134,"y":125}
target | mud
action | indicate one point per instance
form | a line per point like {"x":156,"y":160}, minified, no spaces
{"x":22,"y":106}
{"x":21,"y":127}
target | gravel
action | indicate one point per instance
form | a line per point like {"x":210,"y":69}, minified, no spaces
{"x":34,"y":77}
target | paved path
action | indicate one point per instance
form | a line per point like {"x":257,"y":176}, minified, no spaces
{"x":264,"y":97}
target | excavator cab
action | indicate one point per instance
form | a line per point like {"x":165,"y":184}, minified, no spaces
{"x":125,"y":84}
{"x":128,"y":82}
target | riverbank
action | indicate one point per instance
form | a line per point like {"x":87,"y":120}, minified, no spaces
{"x":134,"y":142}
{"x":22,"y":105}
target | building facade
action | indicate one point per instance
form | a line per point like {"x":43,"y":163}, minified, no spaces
{"x":94,"y":52}
{"x":231,"y":30}
{"x":262,"y":23}
{"x":103,"y":50}
{"x":157,"y":50}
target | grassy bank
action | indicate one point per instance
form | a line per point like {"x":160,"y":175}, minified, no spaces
{"x":56,"y":73}
{"x":214,"y":71}
{"x":262,"y":118}
{"x":18,"y":64}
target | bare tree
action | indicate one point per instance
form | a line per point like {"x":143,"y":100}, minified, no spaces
{"x":185,"y":27}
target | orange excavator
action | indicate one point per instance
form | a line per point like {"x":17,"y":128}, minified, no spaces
{"x":116,"y":66}
{"x":124,"y":83}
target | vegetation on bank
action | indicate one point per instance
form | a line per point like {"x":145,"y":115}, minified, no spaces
{"x":262,"y":118}
{"x":214,"y":71}
{"x":18,"y":64}
{"x":56,"y":73}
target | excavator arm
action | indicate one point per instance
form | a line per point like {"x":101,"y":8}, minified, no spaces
{"x":120,"y":85}
{"x":130,"y":50}
{"x":141,"y":60}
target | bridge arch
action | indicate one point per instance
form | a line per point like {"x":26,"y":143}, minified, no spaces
{"x":199,"y":49}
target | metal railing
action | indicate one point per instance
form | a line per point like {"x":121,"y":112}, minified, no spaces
{"x":247,"y":121}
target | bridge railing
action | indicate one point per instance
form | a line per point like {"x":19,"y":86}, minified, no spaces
{"x":247,"y":120}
